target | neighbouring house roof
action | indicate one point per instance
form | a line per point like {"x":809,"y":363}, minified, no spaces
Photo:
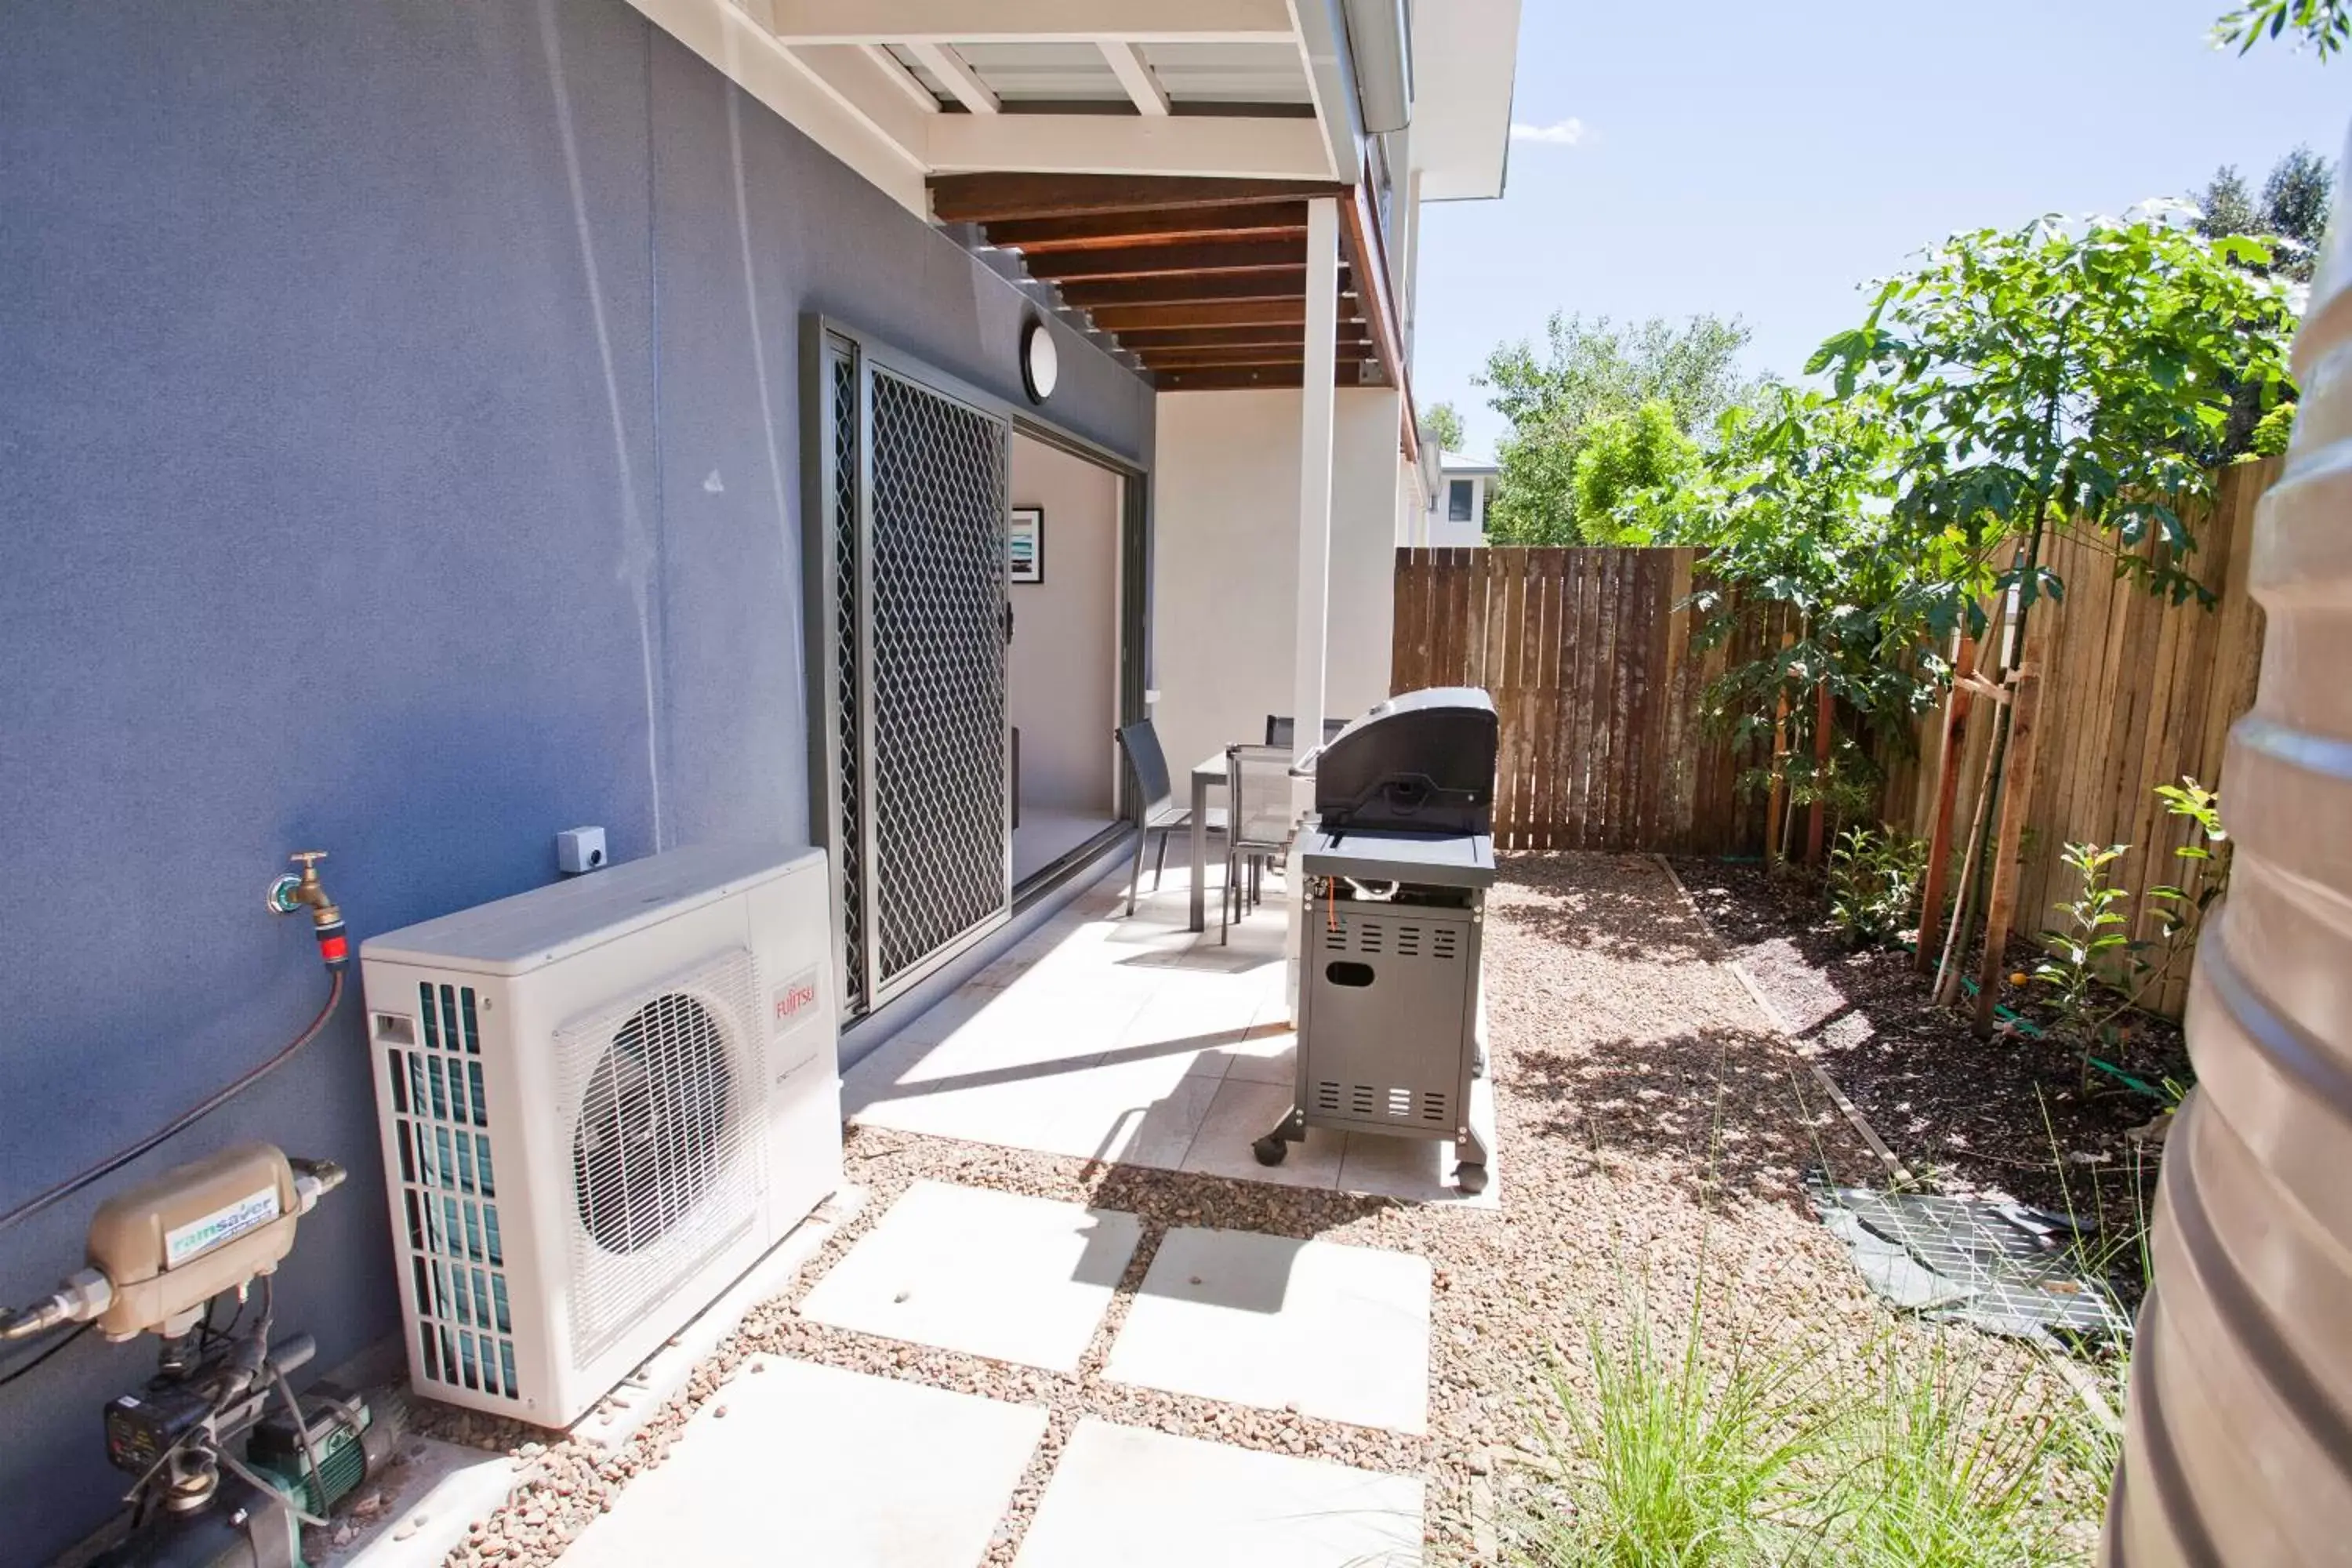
{"x":1463,"y":465}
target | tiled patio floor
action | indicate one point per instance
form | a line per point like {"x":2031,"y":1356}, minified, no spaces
{"x":1112,"y":1038}
{"x":809,"y":1463}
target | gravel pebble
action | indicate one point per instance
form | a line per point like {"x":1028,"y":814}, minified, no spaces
{"x":1652,"y":1128}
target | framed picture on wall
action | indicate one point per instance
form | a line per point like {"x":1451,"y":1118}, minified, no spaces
{"x":1026,"y":545}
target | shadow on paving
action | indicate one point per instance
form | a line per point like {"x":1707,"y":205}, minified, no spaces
{"x":1716,"y":1113}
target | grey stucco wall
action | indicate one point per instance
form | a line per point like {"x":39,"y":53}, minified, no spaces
{"x":399,"y":456}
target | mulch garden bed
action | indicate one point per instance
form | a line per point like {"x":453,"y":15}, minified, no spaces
{"x":2007,"y":1115}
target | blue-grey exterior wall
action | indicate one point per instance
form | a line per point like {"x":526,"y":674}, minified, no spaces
{"x":399,"y":455}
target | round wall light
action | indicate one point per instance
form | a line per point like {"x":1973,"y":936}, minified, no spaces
{"x":1041,"y":365}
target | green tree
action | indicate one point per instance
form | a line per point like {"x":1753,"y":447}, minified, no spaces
{"x":2070,"y":374}
{"x":2291,"y":217}
{"x":1588,"y":370}
{"x":1632,"y":474}
{"x":2325,"y":24}
{"x":1443,"y":422}
{"x":2294,"y":207}
{"x":2079,"y":375}
{"x":2225,"y":207}
{"x":1802,"y":543}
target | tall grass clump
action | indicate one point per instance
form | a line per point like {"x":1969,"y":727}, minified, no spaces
{"x":1930,"y":1450}
{"x":1950,"y":1461}
{"x":1678,"y":1457}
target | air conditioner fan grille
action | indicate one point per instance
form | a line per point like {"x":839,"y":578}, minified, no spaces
{"x":664,"y":1092}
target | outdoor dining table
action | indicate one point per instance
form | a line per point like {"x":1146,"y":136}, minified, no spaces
{"x":1208,"y":773}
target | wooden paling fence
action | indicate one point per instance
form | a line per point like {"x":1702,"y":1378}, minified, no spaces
{"x":2134,"y":692}
{"x":1589,"y":656}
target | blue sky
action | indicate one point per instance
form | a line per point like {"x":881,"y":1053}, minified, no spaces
{"x":1762,"y":161}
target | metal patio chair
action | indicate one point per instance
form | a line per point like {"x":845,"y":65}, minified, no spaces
{"x":1281,"y":727}
{"x":1260,"y":814}
{"x":1155,"y":810}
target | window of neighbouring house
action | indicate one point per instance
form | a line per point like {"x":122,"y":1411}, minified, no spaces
{"x":1457,"y":501}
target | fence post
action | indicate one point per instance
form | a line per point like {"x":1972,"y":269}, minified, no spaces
{"x":2016,"y":799}
{"x":1816,"y":820}
{"x":1947,"y":793}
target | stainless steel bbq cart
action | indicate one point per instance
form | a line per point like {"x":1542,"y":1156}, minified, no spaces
{"x":1394,"y":867}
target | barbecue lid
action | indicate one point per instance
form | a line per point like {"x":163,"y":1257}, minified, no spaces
{"x":1422,"y":762}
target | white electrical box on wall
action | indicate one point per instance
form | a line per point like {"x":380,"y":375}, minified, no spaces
{"x":601,"y":1102}
{"x":579,"y":850}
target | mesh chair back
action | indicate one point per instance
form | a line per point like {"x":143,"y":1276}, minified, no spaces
{"x":1149,"y":764}
{"x":1280,"y":728}
{"x":1257,"y":789}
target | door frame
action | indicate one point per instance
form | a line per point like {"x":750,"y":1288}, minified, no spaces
{"x":821,"y":338}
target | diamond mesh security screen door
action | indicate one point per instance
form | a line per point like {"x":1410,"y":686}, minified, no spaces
{"x":916,"y":492}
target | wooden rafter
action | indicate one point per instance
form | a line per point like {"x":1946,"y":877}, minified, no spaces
{"x":1203,"y":280}
{"x":1162,"y":260}
{"x":1200,"y":314}
{"x":1174,"y":226}
{"x":1282,"y":283}
{"x":1149,"y":340}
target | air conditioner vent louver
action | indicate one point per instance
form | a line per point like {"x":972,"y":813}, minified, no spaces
{"x":456,"y":1264}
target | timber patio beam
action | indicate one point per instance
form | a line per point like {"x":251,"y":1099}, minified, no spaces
{"x":1359,"y":240}
{"x":1028,"y":21}
{"x":1235,"y":378}
{"x":985,"y":199}
{"x":1166,"y":260}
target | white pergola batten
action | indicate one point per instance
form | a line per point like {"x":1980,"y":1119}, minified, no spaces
{"x":1128,"y":144}
{"x":866,"y":78}
{"x":1027,"y":21}
{"x":1135,"y":74}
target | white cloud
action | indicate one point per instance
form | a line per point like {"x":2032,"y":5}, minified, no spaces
{"x":1558,"y":133}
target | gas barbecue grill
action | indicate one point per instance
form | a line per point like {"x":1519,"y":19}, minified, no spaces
{"x":1393,"y":868}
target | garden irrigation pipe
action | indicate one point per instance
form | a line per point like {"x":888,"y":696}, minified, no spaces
{"x":182,"y":1123}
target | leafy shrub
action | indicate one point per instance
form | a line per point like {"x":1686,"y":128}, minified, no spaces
{"x":1874,"y":882}
{"x":2096,"y":971}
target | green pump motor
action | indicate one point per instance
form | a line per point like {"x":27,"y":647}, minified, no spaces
{"x":352,"y":1443}
{"x":243,"y":1525}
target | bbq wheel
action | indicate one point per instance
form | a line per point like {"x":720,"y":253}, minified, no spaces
{"x":1471,"y":1179}
{"x":1270,"y":1150}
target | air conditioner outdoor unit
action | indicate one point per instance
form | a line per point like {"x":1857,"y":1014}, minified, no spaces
{"x":601,"y":1101}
